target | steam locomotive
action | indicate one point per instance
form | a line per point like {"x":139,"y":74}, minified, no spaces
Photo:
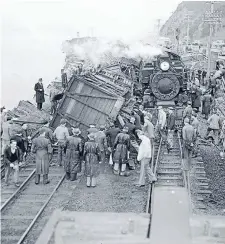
{"x":165,"y":76}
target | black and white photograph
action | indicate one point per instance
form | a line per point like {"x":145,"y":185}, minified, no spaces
{"x":112,"y":122}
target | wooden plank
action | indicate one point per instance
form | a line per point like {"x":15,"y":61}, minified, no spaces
{"x":76,"y":98}
{"x":90,"y":95}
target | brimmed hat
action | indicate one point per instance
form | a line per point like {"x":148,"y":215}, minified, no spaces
{"x":170,"y":108}
{"x":189,"y":102}
{"x":125,"y":129}
{"x":91,"y":136}
{"x":76,"y":131}
{"x":159,"y":107}
{"x":186,"y":120}
{"x":101,"y":127}
{"x":63,"y":121}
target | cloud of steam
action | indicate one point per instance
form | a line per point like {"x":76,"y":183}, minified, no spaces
{"x":102,"y":51}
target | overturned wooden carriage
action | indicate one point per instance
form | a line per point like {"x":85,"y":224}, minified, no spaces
{"x":91,"y":99}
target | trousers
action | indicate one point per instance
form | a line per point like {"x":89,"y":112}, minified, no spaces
{"x":9,"y":170}
{"x":170,"y":138}
{"x":145,"y":172}
{"x":39,"y":106}
{"x":61,"y":152}
{"x":187,"y":153}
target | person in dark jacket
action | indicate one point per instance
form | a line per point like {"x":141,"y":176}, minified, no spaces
{"x":12,"y":160}
{"x":20,"y":142}
{"x":40,"y":93}
{"x":122,"y":151}
{"x":170,"y":128}
{"x":42,"y":148}
{"x":92,"y":160}
{"x":64,"y":79}
{"x":74,"y":150}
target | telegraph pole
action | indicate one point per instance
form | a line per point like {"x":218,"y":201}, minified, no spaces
{"x":212,"y":18}
{"x":188,"y":26}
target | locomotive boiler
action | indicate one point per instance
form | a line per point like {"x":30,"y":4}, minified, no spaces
{"x":165,"y":76}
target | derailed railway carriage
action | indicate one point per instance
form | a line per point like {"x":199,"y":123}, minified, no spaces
{"x":165,"y":76}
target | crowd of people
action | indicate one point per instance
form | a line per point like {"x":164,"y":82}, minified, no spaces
{"x":113,"y":145}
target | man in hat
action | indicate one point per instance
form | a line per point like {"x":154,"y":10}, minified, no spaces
{"x":122,"y":152}
{"x":137,"y":121}
{"x":144,"y":156}
{"x":12,"y":161}
{"x":42,"y":148}
{"x":92,"y":129}
{"x":146,"y":98}
{"x":206,"y":104}
{"x":48,"y":131}
{"x":170,"y":128}
{"x":52,"y":94}
{"x":100,"y":138}
{"x":64,"y":79}
{"x":148,"y":129}
{"x":74,"y":151}
{"x":188,"y":134}
{"x":214,"y":122}
{"x":92,"y":160}
{"x":188,"y":111}
{"x":161,"y":122}
{"x":40,"y":93}
{"x":61,"y":133}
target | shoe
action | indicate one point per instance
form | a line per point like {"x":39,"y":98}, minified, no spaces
{"x":47,"y":182}
{"x":138,"y":185}
{"x":17,"y":185}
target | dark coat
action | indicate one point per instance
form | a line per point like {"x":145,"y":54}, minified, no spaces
{"x":122,"y":146}
{"x":171,"y":121}
{"x":7,"y":156}
{"x":42,"y":148}
{"x":206,"y":103}
{"x":92,"y":158}
{"x":40,"y":93}
{"x":73,"y":155}
{"x":111,"y":135}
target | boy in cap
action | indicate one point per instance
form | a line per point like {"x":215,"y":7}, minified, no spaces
{"x":188,"y":111}
{"x":61,"y":133}
{"x":12,"y":161}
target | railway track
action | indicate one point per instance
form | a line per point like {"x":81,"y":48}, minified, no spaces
{"x":21,"y":207}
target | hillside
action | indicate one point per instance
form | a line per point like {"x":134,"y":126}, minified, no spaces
{"x":198,"y":29}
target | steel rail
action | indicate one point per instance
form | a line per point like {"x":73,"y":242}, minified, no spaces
{"x":40,"y":211}
{"x":18,"y":190}
{"x":149,"y":208}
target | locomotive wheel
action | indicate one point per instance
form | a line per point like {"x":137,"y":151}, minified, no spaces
{"x":165,"y":86}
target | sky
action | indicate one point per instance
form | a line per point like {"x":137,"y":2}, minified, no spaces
{"x":33,"y":31}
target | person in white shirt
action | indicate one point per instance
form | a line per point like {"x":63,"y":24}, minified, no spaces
{"x":161,"y":123}
{"x":144,"y":156}
{"x":61,"y":133}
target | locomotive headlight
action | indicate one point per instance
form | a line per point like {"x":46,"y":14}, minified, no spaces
{"x":164,"y":66}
